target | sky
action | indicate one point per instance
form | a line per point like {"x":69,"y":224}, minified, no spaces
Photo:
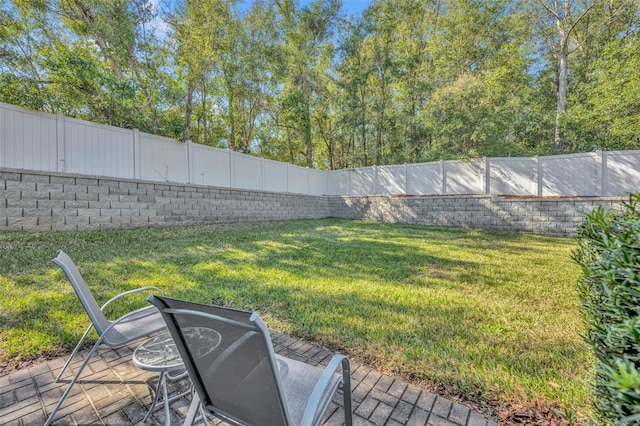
{"x":352,"y":7}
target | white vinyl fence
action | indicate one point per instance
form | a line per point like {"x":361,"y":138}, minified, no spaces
{"x":51,"y":142}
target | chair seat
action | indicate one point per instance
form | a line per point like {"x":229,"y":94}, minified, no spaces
{"x":134,"y":325}
{"x":298,"y":381}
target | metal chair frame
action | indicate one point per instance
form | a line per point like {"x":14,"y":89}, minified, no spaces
{"x":98,"y":320}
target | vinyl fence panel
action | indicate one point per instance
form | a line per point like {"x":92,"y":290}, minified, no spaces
{"x":464,"y":177}
{"x":573,"y":174}
{"x":93,"y":149}
{"x":512,"y":176}
{"x":338,"y":182}
{"x":297,"y":177}
{"x":275,"y":176}
{"x":28,"y":139}
{"x":246,"y":171}
{"x":209,"y":165}
{"x":621,"y":172}
{"x":391,"y":180}
{"x":163,"y":159}
{"x":317,"y":182}
{"x":424,"y":178}
{"x":362,"y":181}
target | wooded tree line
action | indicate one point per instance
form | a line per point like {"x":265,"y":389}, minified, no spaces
{"x":408,"y":81}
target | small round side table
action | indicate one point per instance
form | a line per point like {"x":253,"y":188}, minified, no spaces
{"x":159,"y":354}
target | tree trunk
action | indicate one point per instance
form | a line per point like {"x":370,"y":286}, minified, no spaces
{"x":562,"y":90}
{"x":186,"y":132}
{"x":232,"y":121}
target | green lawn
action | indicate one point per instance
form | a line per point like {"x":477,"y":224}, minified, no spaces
{"x":484,"y":315}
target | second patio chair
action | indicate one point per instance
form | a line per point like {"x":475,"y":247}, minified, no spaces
{"x":236,"y":374}
{"x":128,"y":328}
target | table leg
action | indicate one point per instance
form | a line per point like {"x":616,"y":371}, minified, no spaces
{"x":165,"y":396}
{"x":193,"y":410}
{"x":156,"y":396}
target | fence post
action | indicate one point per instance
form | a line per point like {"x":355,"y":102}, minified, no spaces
{"x":137,"y":173}
{"x":603,"y":174}
{"x":375,"y":181}
{"x":60,"y":142}
{"x":288,"y":177}
{"x":262,"y":173}
{"x":189,"y":165}
{"x":487,"y":176}
{"x":230,"y":168}
{"x":443,"y":173}
{"x":406,"y":180}
{"x":538,"y":175}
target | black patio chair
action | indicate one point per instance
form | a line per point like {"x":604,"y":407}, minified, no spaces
{"x":238,"y":377}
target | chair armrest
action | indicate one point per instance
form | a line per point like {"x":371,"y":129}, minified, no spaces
{"x":126,"y":293}
{"x":320,"y":389}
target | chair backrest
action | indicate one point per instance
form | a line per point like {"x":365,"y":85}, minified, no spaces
{"x":89,"y":303}
{"x":230,"y":360}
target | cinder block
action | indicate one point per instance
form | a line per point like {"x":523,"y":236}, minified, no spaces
{"x":110,"y":212}
{"x":138,"y":192}
{"x":128,"y":185}
{"x":146,"y":186}
{"x":97,"y":220}
{"x":10,"y":212}
{"x":69,"y":220}
{"x":6,"y":194}
{"x":75,"y":204}
{"x":62,"y":195}
{"x":50,"y":221}
{"x":21,"y":186}
{"x":64,"y":212}
{"x":120,"y":219}
{"x":118,"y":191}
{"x":22,"y":203}
{"x":36,"y":195}
{"x":88,"y":212}
{"x":108,"y":183}
{"x":119,"y":205}
{"x":98,"y":189}
{"x":35,"y":212}
{"x":6,"y":176}
{"x":99,"y":204}
{"x":86,"y":181}
{"x":28,"y":177}
{"x":65,"y":180}
{"x":130,"y":212}
{"x":75,"y":188}
{"x":22,"y":222}
{"x":89,"y":196}
{"x":128,"y":198}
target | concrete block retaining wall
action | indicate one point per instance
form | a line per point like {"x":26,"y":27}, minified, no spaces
{"x":543,"y":216}
{"x":40,"y":201}
{"x":36,"y":201}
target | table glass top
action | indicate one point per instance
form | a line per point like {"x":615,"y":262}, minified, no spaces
{"x":160,"y":352}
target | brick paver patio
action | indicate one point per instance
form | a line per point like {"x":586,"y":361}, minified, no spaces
{"x":112,"y":391}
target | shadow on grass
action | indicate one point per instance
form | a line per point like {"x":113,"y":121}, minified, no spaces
{"x":402,"y":296}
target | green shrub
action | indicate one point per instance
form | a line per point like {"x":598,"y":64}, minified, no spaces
{"x":609,"y":254}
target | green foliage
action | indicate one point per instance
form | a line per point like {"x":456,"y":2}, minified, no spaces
{"x":609,"y":254}
{"x":408,"y":81}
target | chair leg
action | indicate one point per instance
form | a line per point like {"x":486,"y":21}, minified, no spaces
{"x":346,"y":392}
{"x":193,"y":410}
{"x":73,"y":381}
{"x":66,"y":364}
